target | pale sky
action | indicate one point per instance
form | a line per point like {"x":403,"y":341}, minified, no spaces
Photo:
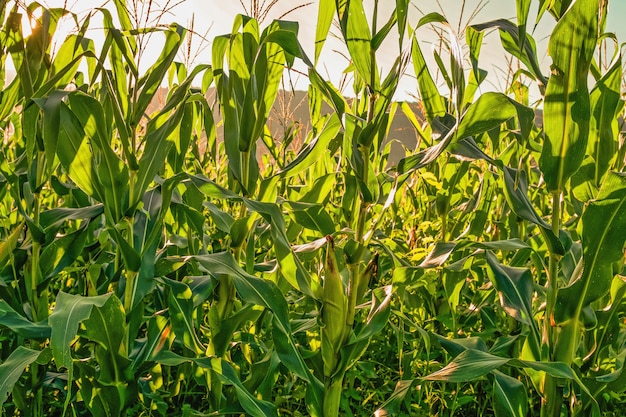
{"x":215,"y":17}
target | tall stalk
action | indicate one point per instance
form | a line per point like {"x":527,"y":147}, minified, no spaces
{"x":553,"y":393}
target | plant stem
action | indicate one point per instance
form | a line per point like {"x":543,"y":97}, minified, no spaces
{"x":332,"y":397}
{"x":552,"y":393}
{"x":39,"y":301}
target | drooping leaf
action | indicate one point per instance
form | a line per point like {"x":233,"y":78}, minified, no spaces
{"x":13,"y":367}
{"x":514,"y":286}
{"x":182,"y":315}
{"x":69,"y":312}
{"x":20,"y":324}
{"x":488,"y":112}
{"x":511,"y":41}
{"x":393,"y":402}
{"x":468,"y":366}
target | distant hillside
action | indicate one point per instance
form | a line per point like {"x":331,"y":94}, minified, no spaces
{"x":292,"y":108}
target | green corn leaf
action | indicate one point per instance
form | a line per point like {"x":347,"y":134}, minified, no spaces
{"x":223,"y":336}
{"x":603,"y":231}
{"x":290,"y":265}
{"x":62,"y":252}
{"x":51,"y":118}
{"x":107,"y":326}
{"x":67,"y":61}
{"x":9,"y":98}
{"x":13,"y":367}
{"x":326,"y":12}
{"x":150,"y":83}
{"x":383,"y":32}
{"x":523,"y":9}
{"x":313,"y":217}
{"x":472,"y":364}
{"x":69,"y":312}
{"x":314,"y":150}
{"x":8,"y":245}
{"x":132,"y":259}
{"x":511,"y":41}
{"x":510,"y":398}
{"x":456,"y":346}
{"x":287,"y":37}
{"x":514,"y":286}
{"x":428,"y":155}
{"x":516,"y":193}
{"x":467,"y":366}
{"x":488,"y":112}
{"x":402,"y":14}
{"x":227,"y":374}
{"x":161,"y":133}
{"x":123,"y":14}
{"x":392,"y":404}
{"x":53,"y":219}
{"x":76,"y":156}
{"x":21,"y":325}
{"x":605,"y":104}
{"x":182,"y":314}
{"x":332,"y":95}
{"x":266,"y":294}
{"x":358,"y":39}
{"x":432,"y":100}
{"x":557,"y":8}
{"x":567,"y":103}
{"x":474,"y":40}
{"x":112,"y":172}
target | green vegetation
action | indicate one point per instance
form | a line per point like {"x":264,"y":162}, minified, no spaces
{"x":150,"y":268}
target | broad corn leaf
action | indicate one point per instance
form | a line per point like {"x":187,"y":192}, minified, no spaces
{"x":432,"y":100}
{"x":13,"y":367}
{"x":510,"y":399}
{"x":603,"y":231}
{"x":326,"y":11}
{"x":523,"y":8}
{"x":20,"y":324}
{"x":358,"y":40}
{"x":467,"y":366}
{"x":155,"y":75}
{"x":603,"y":132}
{"x":69,"y":312}
{"x":603,"y":236}
{"x":567,"y":103}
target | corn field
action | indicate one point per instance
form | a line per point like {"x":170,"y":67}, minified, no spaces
{"x":163,"y":252}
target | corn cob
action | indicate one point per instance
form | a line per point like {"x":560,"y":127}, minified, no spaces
{"x":334,"y":305}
